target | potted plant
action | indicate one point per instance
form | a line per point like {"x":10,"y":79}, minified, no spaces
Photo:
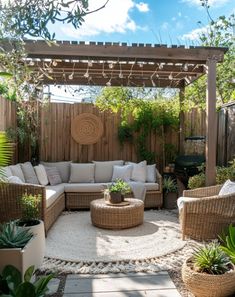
{"x":209,"y":272}
{"x":17,"y":247}
{"x":117,"y":190}
{"x":228,"y":242}
{"x":14,"y":283}
{"x":170,"y":191}
{"x":31,"y":208}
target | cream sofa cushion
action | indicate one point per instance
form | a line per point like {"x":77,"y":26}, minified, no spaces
{"x":84,"y":187}
{"x":122,"y":172}
{"x":139,"y":172}
{"x":41,"y":174}
{"x":53,"y":176}
{"x":17,"y":171}
{"x":5,"y":173}
{"x":15,"y":180}
{"x":82,"y":173}
{"x":63,"y":168}
{"x":104,"y":170}
{"x":29,"y":173}
{"x":52,"y":193}
{"x":151,"y":173}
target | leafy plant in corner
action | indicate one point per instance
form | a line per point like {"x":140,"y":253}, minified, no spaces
{"x":30,"y":205}
{"x":11,"y":284}
{"x":12,"y":236}
{"x":228,"y":242}
{"x":169,"y":185}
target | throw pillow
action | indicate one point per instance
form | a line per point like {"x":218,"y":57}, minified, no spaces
{"x":5,"y":173}
{"x":151,"y":173}
{"x":139,"y":172}
{"x":104,"y":170}
{"x":82,"y":173}
{"x":227,"y":188}
{"x":15,"y":180}
{"x":62,"y":167}
{"x":122,"y":172}
{"x":17,"y":171}
{"x":29,"y":173}
{"x":41,"y":175}
{"x":53,"y":176}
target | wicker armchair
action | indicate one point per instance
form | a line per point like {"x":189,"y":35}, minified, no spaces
{"x":205,"y":217}
{"x":10,"y":208}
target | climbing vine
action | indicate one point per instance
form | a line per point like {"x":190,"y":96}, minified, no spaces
{"x":140,"y":118}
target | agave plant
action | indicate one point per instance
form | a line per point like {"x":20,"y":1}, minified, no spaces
{"x":12,"y":236}
{"x":228,"y":242}
{"x":5,"y":154}
{"x":211,"y":259}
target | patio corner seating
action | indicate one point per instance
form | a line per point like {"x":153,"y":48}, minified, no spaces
{"x":206,"y":216}
{"x":63,"y":196}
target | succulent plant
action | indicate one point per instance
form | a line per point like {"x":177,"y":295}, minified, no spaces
{"x":211,"y":259}
{"x":12,"y":236}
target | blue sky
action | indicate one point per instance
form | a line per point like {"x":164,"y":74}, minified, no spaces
{"x":150,"y":21}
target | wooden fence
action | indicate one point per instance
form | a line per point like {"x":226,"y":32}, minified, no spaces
{"x":56,"y":142}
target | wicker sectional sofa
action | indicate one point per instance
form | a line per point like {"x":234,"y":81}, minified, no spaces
{"x":65,"y":195}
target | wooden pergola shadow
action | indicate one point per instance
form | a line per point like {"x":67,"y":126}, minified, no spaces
{"x":137,"y":65}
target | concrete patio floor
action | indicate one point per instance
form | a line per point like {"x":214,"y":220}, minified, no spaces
{"x":120,"y":285}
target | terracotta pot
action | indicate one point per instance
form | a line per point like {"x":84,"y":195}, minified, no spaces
{"x":115,"y":197}
{"x":208,"y":285}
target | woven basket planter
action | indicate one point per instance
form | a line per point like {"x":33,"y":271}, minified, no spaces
{"x":208,"y":285}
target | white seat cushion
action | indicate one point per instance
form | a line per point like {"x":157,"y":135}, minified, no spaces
{"x":85,"y":187}
{"x":52,"y":193}
{"x":182,"y":200}
{"x":152,"y":186}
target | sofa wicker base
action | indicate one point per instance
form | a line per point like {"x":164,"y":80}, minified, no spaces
{"x":81,"y":200}
{"x":53,"y":211}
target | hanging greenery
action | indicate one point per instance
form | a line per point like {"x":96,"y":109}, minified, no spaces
{"x":140,"y":117}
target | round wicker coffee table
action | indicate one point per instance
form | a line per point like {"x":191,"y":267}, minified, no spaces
{"x":117,"y":217}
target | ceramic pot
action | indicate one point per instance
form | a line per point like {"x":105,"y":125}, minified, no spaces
{"x":115,"y":197}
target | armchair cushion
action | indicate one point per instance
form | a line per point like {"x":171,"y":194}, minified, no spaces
{"x":227,"y":188}
{"x":182,"y":200}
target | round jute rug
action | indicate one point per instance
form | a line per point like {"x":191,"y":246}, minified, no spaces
{"x":73,"y":239}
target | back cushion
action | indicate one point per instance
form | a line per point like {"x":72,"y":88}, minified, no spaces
{"x":139,"y":172}
{"x":17,"y":171}
{"x":82,"y":173}
{"x":6,"y":173}
{"x":53,"y":176}
{"x":227,"y":188}
{"x":41,"y":174}
{"x":63,"y":168}
{"x":151,"y":173}
{"x":29,"y":173}
{"x":104,"y":170}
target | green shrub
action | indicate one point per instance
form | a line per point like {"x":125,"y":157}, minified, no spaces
{"x":197,"y":181}
{"x":30,"y":205}
{"x":119,"y":186}
{"x":211,"y":259}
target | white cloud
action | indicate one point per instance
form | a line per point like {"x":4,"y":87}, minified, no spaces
{"x":194,"y":34}
{"x":165,"y":26}
{"x":215,"y":3}
{"x":113,"y":18}
{"x":142,"y":7}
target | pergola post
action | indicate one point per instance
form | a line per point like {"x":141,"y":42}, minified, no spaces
{"x":211,"y":123}
{"x":182,"y":123}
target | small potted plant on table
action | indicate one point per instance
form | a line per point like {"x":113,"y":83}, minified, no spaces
{"x":170,"y":191}
{"x":209,"y":272}
{"x":117,"y":190}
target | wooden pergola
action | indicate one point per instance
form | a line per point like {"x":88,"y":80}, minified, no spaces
{"x":136,"y":65}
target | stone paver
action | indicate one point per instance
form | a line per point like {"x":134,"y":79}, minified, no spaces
{"x":121,"y":285}
{"x":53,"y":286}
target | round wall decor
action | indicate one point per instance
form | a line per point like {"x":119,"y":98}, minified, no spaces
{"x":86,"y":128}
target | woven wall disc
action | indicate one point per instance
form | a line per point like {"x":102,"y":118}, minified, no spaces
{"x":86,"y":128}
